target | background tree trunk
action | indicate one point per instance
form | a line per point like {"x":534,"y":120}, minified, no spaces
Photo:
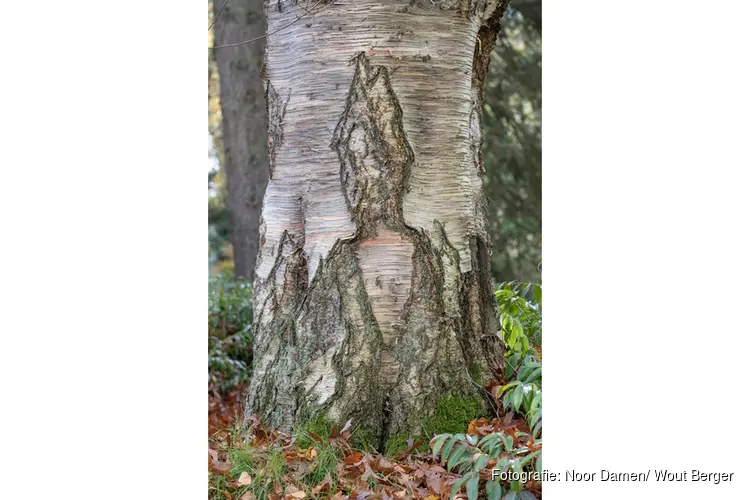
{"x":244,"y":123}
{"x":373,"y":296}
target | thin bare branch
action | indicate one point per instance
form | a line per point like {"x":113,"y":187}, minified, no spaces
{"x":218,"y":14}
{"x":311,"y":11}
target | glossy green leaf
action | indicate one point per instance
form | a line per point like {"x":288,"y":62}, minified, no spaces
{"x":472,"y":487}
{"x":458,"y":453}
{"x":447,"y":447}
{"x":516,"y":466}
{"x":481,"y":462}
{"x":529,"y":457}
{"x":508,"y":442}
{"x":508,"y":386}
{"x":494,"y":490}
{"x":437,"y":444}
{"x":536,"y":374}
{"x":489,"y":437}
{"x":517,"y":397}
{"x":457,"y":486}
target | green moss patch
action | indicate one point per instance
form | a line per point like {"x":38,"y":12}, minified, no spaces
{"x":453,"y":414}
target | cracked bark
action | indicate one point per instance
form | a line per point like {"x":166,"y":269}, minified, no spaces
{"x":372,"y":294}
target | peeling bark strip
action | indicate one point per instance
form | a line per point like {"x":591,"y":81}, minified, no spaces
{"x":372,"y":296}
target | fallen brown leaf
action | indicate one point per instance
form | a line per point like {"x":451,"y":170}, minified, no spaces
{"x":293,"y":492}
{"x":353,"y":459}
{"x":219,"y":467}
{"x":244,"y":479}
{"x":325,"y":484}
{"x":435,"y":483}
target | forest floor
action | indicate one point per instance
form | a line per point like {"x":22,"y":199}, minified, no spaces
{"x":264,"y":464}
{"x":318,"y":461}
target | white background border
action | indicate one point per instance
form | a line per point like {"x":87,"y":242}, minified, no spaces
{"x":104,"y":239}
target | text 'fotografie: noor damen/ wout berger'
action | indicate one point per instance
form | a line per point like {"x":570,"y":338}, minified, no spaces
{"x":610,"y":476}
{"x":659,"y":475}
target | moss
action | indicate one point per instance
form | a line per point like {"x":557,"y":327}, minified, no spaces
{"x":452,"y":415}
{"x":475,"y":371}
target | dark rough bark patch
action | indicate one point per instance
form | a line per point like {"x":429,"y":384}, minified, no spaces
{"x":276,"y":355}
{"x":486,"y":39}
{"x":276,"y":112}
{"x":465,"y":8}
{"x":450,"y":325}
{"x":375,"y":161}
{"x":485,"y":347}
{"x":358,"y":342}
{"x":295,"y":280}
{"x":429,"y":351}
{"x":373,"y":150}
{"x":262,"y":235}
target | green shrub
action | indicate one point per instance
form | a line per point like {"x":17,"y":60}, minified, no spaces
{"x":520,"y":315}
{"x":230,"y":306}
{"x":469,"y":456}
{"x":520,"y":309}
{"x":230,"y":317}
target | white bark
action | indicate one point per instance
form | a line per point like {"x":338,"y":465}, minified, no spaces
{"x":372,"y":294}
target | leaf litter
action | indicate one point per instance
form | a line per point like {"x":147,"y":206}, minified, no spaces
{"x":357,"y":474}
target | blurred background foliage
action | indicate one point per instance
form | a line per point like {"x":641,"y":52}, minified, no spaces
{"x":230,"y":317}
{"x":512,"y":147}
{"x":512,"y":151}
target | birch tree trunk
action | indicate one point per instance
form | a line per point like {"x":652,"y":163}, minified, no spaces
{"x":373,"y":296}
{"x":243,"y":110}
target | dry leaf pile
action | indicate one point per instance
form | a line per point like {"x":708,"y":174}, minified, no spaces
{"x":357,"y":474}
